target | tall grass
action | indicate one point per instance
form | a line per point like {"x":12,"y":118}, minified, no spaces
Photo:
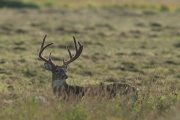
{"x":154,"y":102}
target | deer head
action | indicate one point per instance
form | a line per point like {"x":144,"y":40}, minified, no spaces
{"x":59,"y":71}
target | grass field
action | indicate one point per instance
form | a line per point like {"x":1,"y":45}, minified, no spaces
{"x":134,"y":45}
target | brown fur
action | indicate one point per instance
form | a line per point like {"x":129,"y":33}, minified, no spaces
{"x":109,"y":91}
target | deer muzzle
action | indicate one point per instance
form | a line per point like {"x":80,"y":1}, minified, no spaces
{"x":64,"y":76}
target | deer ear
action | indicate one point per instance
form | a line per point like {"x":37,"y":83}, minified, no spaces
{"x":67,"y":67}
{"x":48,"y":66}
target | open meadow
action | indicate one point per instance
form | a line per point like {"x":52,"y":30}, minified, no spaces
{"x":138,"y":44}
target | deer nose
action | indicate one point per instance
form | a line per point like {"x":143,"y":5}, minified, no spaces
{"x":64,"y":77}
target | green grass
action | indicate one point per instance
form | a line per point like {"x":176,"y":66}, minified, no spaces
{"x":134,"y":46}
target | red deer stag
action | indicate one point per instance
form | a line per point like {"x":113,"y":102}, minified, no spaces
{"x":59,"y":77}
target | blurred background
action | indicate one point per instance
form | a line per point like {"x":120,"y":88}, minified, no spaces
{"x":146,"y":4}
{"x":128,"y":41}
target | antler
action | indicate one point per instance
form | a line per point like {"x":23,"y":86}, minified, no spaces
{"x":42,"y":49}
{"x":78,"y":52}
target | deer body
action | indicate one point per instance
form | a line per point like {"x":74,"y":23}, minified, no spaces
{"x":59,"y":77}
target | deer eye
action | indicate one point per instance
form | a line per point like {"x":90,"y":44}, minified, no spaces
{"x":57,"y":71}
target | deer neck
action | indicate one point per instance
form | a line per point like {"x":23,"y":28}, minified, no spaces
{"x":57,"y":82}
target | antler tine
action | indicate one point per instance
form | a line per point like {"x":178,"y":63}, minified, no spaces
{"x":43,"y":41}
{"x":42,"y":49}
{"x":75,"y":43}
{"x":50,"y":57}
{"x":78,"y":52}
{"x":70,"y":55}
